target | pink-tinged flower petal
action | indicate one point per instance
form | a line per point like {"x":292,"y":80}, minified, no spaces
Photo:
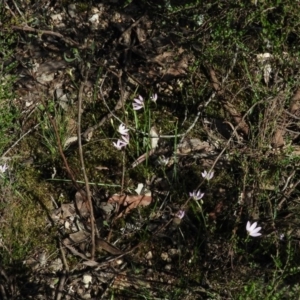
{"x":138,"y":103}
{"x":153,"y":97}
{"x":180,"y":214}
{"x":119,"y":144}
{"x":139,"y":100}
{"x":137,"y":106}
{"x":125,"y":138}
{"x":3,"y":168}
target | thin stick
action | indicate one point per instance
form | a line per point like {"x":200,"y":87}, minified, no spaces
{"x":18,"y":141}
{"x":212,"y":96}
{"x":48,"y":32}
{"x":87,"y":187}
{"x":63,"y":256}
{"x":3,"y":293}
{"x":63,"y":276}
{"x":7,"y":7}
{"x":17,"y":8}
{"x":60,"y":287}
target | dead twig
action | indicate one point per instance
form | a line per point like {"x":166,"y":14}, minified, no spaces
{"x":63,"y":256}
{"x":18,"y":141}
{"x":7,"y":7}
{"x":17,"y":8}
{"x":218,"y":89}
{"x":87,"y":187}
{"x":60,"y":287}
{"x":3,"y":293}
{"x":60,"y":149}
{"x":47,"y":32}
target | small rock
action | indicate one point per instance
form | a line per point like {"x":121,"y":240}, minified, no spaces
{"x":86,"y":279}
{"x":56,"y":18}
{"x":67,"y":225}
{"x":149,"y":272}
{"x":149,"y":255}
{"x":168,"y":267}
{"x":173,"y":252}
{"x":72,"y":10}
{"x":42,"y":259}
{"x":164,"y":256}
{"x":56,"y":265}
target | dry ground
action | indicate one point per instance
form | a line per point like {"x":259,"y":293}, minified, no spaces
{"x":73,"y":223}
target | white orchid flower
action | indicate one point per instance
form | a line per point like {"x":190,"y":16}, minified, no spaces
{"x":252,"y":229}
{"x":119,"y":144}
{"x":197,"y":195}
{"x":123,"y":130}
{"x":3,"y":168}
{"x":207,"y":175}
{"x":153,"y":98}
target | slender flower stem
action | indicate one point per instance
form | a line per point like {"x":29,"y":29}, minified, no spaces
{"x":203,"y":217}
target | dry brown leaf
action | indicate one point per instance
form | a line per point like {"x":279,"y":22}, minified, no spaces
{"x":193,"y":144}
{"x":82,"y":204}
{"x":180,"y":50}
{"x":122,"y":281}
{"x":164,"y":58}
{"x":217,"y":210}
{"x":295,"y":102}
{"x":278,"y":140}
{"x":215,"y":82}
{"x":237,"y":117}
{"x":178,"y":69}
{"x":51,"y":66}
{"x":102,"y":244}
{"x":130,"y":202}
{"x":141,"y":34}
{"x":67,"y":210}
{"x":142,"y":158}
{"x":77,"y":237}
